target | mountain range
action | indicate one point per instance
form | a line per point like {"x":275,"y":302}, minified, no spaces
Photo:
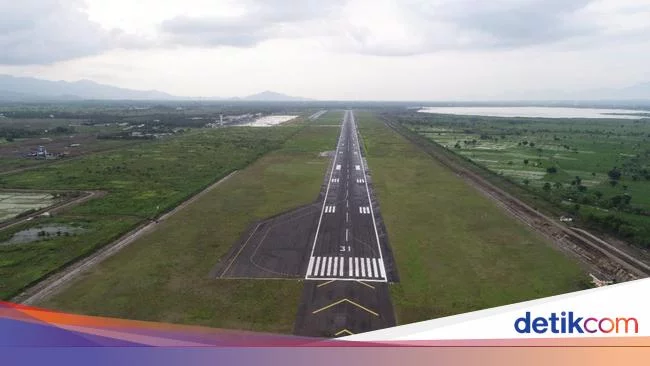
{"x":26,"y":89}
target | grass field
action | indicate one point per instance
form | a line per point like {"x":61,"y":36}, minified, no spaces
{"x":142,"y":181}
{"x":165,"y":275}
{"x":456,"y":251}
{"x":330,"y":118}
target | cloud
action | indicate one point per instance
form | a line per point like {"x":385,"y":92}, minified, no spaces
{"x":413,"y":27}
{"x":260,"y":21}
{"x":407,"y":27}
{"x":46,"y":31}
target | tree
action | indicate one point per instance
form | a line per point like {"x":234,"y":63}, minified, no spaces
{"x":551,"y":170}
{"x":526,"y":181}
{"x":614,"y":174}
{"x":526,"y":161}
{"x":613,"y":183}
{"x":558,"y":185}
{"x":582,"y":188}
{"x":547,"y":186}
{"x":598,"y":194}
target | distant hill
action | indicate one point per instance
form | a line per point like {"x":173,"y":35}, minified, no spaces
{"x":26,"y":89}
{"x":31,"y":89}
{"x":270,"y":96}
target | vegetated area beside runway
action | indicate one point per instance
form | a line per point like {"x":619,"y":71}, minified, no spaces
{"x":595,"y":169}
{"x":142,"y":181}
{"x":456,"y":251}
{"x":165,"y":276}
{"x":330,"y":118}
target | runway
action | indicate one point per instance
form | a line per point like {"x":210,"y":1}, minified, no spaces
{"x":347,"y":245}
{"x":350,"y":264}
{"x":337,"y":245}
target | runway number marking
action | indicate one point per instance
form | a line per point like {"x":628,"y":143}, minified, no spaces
{"x":357,"y":167}
{"x":338,"y":166}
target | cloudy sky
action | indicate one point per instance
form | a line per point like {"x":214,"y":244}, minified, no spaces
{"x":332,"y":49}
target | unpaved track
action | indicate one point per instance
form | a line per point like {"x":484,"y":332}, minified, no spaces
{"x":600,"y":257}
{"x":58,"y":281}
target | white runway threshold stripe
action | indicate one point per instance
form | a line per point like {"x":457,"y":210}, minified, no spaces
{"x":365,"y":210}
{"x":361,"y":180}
{"x":335,"y":180}
{"x":346,"y":268}
{"x":330,"y":209}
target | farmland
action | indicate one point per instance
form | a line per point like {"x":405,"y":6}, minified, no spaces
{"x":13,"y":204}
{"x":142,"y":181}
{"x":595,"y":169}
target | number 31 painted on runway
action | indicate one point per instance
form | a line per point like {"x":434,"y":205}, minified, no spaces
{"x":346,"y":248}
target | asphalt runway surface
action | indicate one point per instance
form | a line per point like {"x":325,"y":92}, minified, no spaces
{"x":273,"y":248}
{"x":337,"y":245}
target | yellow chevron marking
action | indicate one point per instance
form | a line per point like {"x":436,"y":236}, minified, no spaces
{"x":343,"y":331}
{"x":325,"y":283}
{"x":367,"y":285}
{"x":348,"y":301}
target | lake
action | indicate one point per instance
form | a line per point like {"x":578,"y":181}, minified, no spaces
{"x":543,"y":112}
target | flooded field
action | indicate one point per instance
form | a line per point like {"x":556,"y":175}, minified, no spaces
{"x":41,"y":233}
{"x":15,"y":203}
{"x":543,"y":112}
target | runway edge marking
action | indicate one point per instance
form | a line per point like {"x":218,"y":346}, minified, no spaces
{"x":313,"y":247}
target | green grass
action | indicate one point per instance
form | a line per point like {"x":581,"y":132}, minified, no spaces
{"x":142,"y":181}
{"x":456,"y":251}
{"x":330,"y":118}
{"x":164,"y":276}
